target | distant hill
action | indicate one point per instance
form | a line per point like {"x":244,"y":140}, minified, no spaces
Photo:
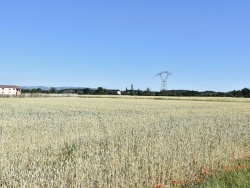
{"x":46,"y":88}
{"x":35,"y":87}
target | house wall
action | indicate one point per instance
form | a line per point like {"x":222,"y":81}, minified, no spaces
{"x":18,"y":92}
{"x":10,"y":91}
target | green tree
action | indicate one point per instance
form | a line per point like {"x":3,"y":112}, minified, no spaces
{"x":245,"y":92}
{"x":126,"y":92}
{"x":39,"y":90}
{"x":53,"y":90}
{"x":138,"y":92}
{"x":148,"y":91}
{"x":87,"y":91}
{"x":100,"y":91}
{"x":132,"y":90}
{"x":33,"y":90}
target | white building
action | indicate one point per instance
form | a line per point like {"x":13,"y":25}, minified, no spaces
{"x":10,"y":90}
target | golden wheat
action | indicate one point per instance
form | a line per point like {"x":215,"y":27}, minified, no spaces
{"x":117,"y":142}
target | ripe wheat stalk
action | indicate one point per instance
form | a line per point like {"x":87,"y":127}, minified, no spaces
{"x":100,"y":142}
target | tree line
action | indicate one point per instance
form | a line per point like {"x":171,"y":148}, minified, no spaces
{"x":245,"y":92}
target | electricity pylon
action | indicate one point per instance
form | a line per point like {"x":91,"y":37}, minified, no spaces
{"x":164,"y":77}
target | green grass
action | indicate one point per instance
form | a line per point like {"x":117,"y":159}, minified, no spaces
{"x":238,"y":176}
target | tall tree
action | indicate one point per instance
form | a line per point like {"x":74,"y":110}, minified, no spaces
{"x":148,"y":91}
{"x":132,"y":90}
{"x":138,"y":92}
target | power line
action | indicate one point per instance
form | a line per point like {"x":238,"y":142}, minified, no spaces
{"x":164,"y":76}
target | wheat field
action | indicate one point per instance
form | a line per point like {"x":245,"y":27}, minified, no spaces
{"x":117,"y":142}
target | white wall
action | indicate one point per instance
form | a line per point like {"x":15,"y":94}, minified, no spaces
{"x":8,"y":91}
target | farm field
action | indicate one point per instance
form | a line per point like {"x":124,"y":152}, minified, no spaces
{"x":119,"y":142}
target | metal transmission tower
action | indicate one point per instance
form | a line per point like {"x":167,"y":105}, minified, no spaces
{"x":164,"y":77}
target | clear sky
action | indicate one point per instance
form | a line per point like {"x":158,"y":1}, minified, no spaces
{"x":113,"y":44}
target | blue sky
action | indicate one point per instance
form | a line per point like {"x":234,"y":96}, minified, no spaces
{"x":113,"y":44}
